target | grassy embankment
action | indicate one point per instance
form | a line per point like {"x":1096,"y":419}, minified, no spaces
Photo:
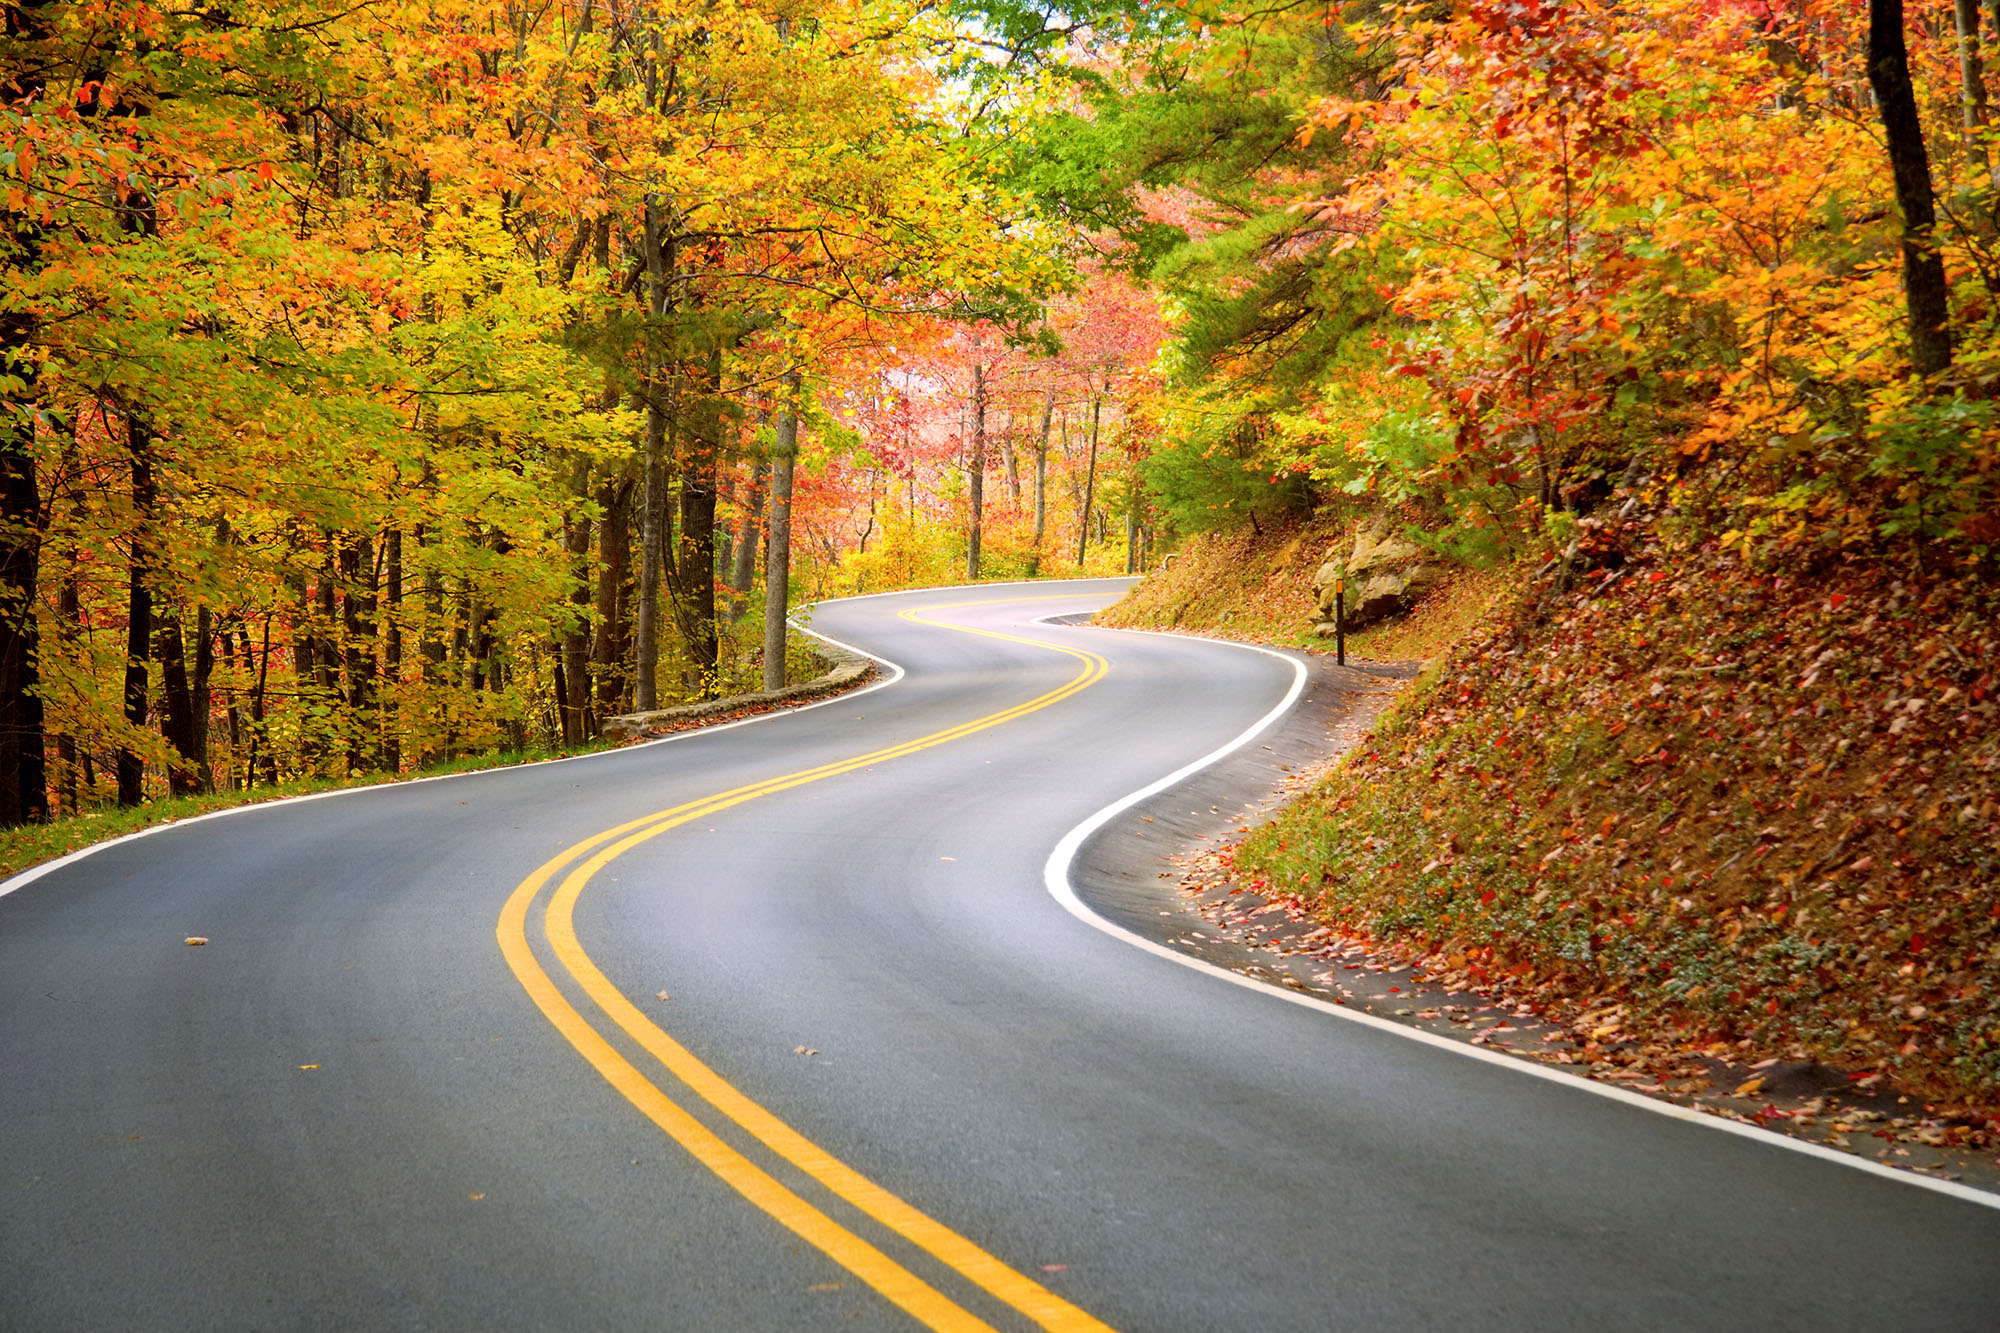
{"x":30,"y":845}
{"x":1687,"y":801}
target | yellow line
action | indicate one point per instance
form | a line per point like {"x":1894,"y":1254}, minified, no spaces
{"x":865,"y":1261}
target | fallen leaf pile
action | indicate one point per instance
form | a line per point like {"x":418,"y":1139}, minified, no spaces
{"x":1753,"y":811}
{"x":1279,"y":938}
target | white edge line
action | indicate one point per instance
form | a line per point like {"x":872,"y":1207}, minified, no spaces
{"x":1056,"y":876}
{"x":33,"y":873}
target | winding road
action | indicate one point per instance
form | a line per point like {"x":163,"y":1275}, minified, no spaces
{"x":788,"y":1025}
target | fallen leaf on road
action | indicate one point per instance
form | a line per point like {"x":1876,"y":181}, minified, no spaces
{"x":1749,"y":1088}
{"x":197,"y":939}
{"x":662,"y":995}
{"x":804,"y":1050}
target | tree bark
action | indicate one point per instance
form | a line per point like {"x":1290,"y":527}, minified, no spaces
{"x":1042,"y":469}
{"x":357,"y":632}
{"x":614,"y":562}
{"x":178,"y":706}
{"x":69,"y":607}
{"x":1089,"y":482}
{"x":392,"y":643}
{"x":1010,"y":463}
{"x":138,"y":608}
{"x":778,"y":544}
{"x":1971,"y":71}
{"x":692,"y":576}
{"x":1972,"y":85}
{"x":573,"y":692}
{"x":976,"y":473}
{"x":260,"y":762}
{"x":1925,"y":289}
{"x":23,"y":752}
{"x":743,"y":575}
{"x":660,"y":259}
{"x":204,"y":672}
{"x":1132,"y":532}
{"x":652,"y":557}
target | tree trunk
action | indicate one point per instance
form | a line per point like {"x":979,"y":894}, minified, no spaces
{"x":263,"y":766}
{"x":489,"y":668}
{"x":742,"y":577}
{"x":392,"y":643}
{"x":1010,"y":463}
{"x":69,"y":607}
{"x":138,"y":607}
{"x":1089,"y":482}
{"x":692,"y":582}
{"x":23,"y":755}
{"x":573,"y":694}
{"x":652,"y":555}
{"x":660,"y":259}
{"x":1042,"y":470}
{"x":614,"y":562}
{"x":1925,"y":290}
{"x":357,"y":632}
{"x":430,"y":644}
{"x":178,"y":706}
{"x":976,"y":473}
{"x":326,"y":618}
{"x":204,"y":672}
{"x":778,"y":544}
{"x":1972,"y":86}
{"x":232,"y":710}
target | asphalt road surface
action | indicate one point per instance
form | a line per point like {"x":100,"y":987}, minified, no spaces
{"x":808,"y":1041}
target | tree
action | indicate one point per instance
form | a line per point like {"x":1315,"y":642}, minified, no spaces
{"x":1925,"y":289}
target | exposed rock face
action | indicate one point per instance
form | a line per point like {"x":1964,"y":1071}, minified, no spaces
{"x":1386,"y":575}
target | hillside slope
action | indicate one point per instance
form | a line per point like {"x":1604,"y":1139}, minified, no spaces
{"x":1257,"y":584}
{"x":1753,"y":811}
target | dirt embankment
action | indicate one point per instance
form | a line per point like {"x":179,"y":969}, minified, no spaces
{"x":1749,"y":813}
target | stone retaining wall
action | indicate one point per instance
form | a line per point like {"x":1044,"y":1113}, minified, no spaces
{"x":844,"y":669}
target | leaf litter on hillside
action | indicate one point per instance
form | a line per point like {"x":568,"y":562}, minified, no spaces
{"x":1705,"y":816}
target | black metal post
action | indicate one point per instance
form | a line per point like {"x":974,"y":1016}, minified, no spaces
{"x":1340,"y":621}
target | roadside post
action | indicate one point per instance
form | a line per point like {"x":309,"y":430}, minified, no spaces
{"x":1340,"y":619}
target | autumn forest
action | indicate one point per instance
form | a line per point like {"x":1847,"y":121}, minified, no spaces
{"x":393,"y":383}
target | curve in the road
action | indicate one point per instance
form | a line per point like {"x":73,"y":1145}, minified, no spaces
{"x":1056,"y":876}
{"x":584,"y":860}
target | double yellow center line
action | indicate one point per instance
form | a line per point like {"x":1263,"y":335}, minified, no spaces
{"x":572,"y":869}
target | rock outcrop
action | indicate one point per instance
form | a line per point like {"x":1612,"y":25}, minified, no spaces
{"x":1386,"y":575}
